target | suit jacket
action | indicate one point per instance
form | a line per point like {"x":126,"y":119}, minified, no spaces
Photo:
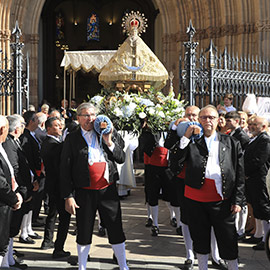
{"x":40,"y":134}
{"x":241,"y":136}
{"x":51,"y":155}
{"x":74,"y":161}
{"x":32,"y":151}
{"x":231,"y":163}
{"x":147,"y":142}
{"x":20,"y":165}
{"x":257,"y":157}
{"x":7,"y":196}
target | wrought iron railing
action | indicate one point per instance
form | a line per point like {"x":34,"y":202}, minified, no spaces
{"x":206,"y":78}
{"x":14,"y":78}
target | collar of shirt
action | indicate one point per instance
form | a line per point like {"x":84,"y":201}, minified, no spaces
{"x":209,"y":140}
{"x":54,"y":137}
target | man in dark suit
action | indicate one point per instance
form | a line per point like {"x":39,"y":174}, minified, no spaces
{"x":31,"y":147}
{"x":88,"y":183}
{"x":257,"y":164}
{"x":214,"y":187}
{"x":233,"y":123}
{"x":23,"y":178}
{"x":51,"y":152}
{"x":9,"y":197}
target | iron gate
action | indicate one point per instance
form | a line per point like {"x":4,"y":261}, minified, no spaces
{"x":207,"y":78}
{"x":14,"y":81}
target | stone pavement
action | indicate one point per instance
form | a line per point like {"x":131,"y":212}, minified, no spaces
{"x":143,"y":250}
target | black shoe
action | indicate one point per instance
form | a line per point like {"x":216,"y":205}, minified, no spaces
{"x":74,"y":232}
{"x":47,"y":245}
{"x":155,"y":231}
{"x":259,"y":246}
{"x":220,"y":264}
{"x":241,"y":237}
{"x":19,"y":266}
{"x":173,"y":222}
{"x":179,"y":230}
{"x":149,"y":222}
{"x":35,"y":236}
{"x":60,"y":254}
{"x":17,"y":259}
{"x":188,"y":265}
{"x":73,"y":260}
{"x":26,"y":240}
{"x":17,"y":253}
{"x":252,"y":240}
{"x":101,"y":231}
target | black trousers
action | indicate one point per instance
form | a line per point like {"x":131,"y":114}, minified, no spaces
{"x":106,"y":201}
{"x":177,"y":197}
{"x":156,"y":180}
{"x":5,"y":218}
{"x":38,"y":196}
{"x":203,"y":215}
{"x":56,"y":206}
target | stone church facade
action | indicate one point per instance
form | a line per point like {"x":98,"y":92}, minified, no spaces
{"x":242,"y":26}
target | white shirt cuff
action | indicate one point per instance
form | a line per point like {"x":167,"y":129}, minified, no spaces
{"x":111,"y":147}
{"x":174,"y":127}
{"x":184,"y":141}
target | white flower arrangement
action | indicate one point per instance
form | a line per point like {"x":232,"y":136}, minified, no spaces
{"x":128,"y":111}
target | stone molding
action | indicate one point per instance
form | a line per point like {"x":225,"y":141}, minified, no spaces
{"x":217,"y":32}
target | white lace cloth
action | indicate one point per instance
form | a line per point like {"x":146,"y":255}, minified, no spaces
{"x":86,"y":60}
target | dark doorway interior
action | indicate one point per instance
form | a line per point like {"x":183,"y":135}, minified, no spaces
{"x":75,"y":14}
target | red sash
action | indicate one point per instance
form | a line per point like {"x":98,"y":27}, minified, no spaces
{"x":146,"y":159}
{"x":158,"y":158}
{"x":207,"y":193}
{"x":38,"y":172}
{"x":96,"y":172}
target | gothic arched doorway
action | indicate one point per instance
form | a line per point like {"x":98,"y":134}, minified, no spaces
{"x":72,"y":17}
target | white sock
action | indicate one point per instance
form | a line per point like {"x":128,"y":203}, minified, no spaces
{"x":214,"y":247}
{"x":5,"y":259}
{"x":148,"y":207}
{"x":83,"y":252}
{"x":266,"y":228}
{"x":259,"y":228}
{"x":172,"y":214}
{"x":237,"y":220}
{"x":154,"y":212}
{"x":99,"y":220}
{"x":232,"y":264}
{"x":243,"y":215}
{"x":11,"y":260}
{"x":24,"y":233}
{"x":202,"y":261}
{"x":1,"y":260}
{"x":188,"y":242}
{"x":120,"y":254}
{"x":177,"y":213}
{"x":29,"y":223}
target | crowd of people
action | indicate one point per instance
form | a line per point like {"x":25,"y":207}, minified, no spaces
{"x":210,"y":168}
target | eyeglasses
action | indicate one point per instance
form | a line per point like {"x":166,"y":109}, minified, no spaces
{"x":88,"y":115}
{"x":210,"y":117}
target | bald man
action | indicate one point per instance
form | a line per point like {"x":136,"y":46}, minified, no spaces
{"x":257,"y":164}
{"x":9,"y":198}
